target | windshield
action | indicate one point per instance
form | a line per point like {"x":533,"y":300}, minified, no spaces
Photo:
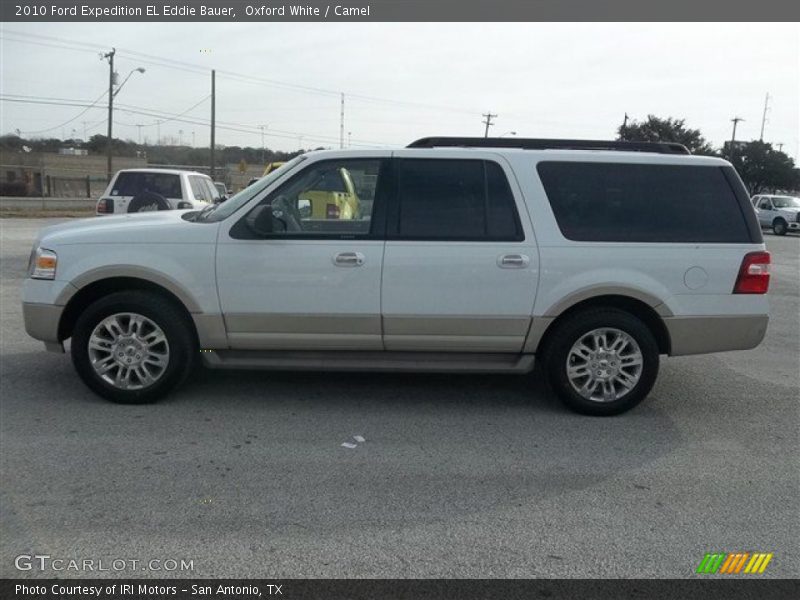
{"x":785,"y":202}
{"x":235,"y":202}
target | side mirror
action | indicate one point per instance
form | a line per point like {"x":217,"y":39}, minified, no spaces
{"x":220,"y":200}
{"x":259,"y":220}
{"x":304,"y":208}
{"x":262,"y":221}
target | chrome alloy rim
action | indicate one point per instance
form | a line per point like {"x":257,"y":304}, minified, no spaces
{"x":128,"y":351}
{"x":604,"y":364}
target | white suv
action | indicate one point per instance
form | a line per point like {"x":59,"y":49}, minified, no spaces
{"x":476,"y":255}
{"x":143,"y":190}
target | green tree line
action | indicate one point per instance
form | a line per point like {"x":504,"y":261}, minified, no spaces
{"x":156,"y":155}
{"x":762,"y":167}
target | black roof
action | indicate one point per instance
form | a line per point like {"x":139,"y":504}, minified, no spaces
{"x":548,"y":144}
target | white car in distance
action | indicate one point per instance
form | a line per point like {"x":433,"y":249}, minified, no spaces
{"x":145,"y":190}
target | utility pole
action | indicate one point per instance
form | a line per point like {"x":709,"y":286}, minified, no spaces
{"x":764,"y":118}
{"x":341,"y":124}
{"x":192,"y":138}
{"x":213,"y":116}
{"x":263,"y":149}
{"x":488,"y":123}
{"x":780,"y":147}
{"x":140,"y":132}
{"x":109,"y":56}
{"x":180,"y":137}
{"x":735,"y":121}
{"x":158,"y":133}
{"x":349,"y":137}
{"x":624,"y":124}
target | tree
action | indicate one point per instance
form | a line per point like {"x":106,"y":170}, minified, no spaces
{"x":764,"y":169}
{"x":655,"y":129}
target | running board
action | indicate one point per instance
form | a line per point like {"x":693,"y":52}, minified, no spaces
{"x":368,"y":361}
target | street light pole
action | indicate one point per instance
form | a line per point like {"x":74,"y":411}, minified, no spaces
{"x":735,"y":122}
{"x":109,"y":56}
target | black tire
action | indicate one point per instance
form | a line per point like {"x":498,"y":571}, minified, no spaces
{"x":148,"y":201}
{"x":173,"y":321}
{"x":779,"y":227}
{"x":568,"y":332}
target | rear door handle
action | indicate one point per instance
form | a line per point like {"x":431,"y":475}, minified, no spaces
{"x":348,"y":259}
{"x":513,"y":261}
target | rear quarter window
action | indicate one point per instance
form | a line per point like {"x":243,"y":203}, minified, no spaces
{"x":616,"y":202}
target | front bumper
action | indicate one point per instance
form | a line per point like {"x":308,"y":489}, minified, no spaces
{"x":43,"y":303}
{"x":41,"y":323}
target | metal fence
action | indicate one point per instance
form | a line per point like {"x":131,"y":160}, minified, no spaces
{"x":75,"y":187}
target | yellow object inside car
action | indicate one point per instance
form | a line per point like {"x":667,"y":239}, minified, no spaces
{"x":333,"y":196}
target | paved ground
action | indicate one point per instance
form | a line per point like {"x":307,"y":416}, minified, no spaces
{"x":460,"y":476}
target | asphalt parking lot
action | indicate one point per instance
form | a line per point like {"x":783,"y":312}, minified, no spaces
{"x":243,"y":473}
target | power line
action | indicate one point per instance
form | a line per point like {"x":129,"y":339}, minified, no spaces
{"x":80,"y":114}
{"x":235,"y":127}
{"x":200,"y":69}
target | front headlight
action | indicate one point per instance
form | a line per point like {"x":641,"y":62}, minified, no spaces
{"x":43,"y":264}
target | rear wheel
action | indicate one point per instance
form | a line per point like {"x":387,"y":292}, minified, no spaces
{"x":133,"y":347}
{"x":779,"y":227}
{"x":602,"y":361}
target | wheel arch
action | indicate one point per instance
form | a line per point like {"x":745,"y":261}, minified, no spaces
{"x":647,"y":313}
{"x":101,"y":287}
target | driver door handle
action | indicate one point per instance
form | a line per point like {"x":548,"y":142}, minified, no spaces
{"x":348,"y":259}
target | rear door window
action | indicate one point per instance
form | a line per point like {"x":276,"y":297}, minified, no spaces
{"x":213,"y":192}
{"x":133,"y":183}
{"x":617,"y":202}
{"x":199,"y":189}
{"x":445,"y":199}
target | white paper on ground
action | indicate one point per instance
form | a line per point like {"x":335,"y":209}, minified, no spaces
{"x":349,"y":445}
{"x":359,"y":438}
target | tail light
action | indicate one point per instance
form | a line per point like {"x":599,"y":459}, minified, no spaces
{"x":105,"y":206}
{"x":331,"y":211}
{"x":754,"y":274}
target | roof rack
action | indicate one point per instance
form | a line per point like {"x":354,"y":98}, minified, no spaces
{"x":549,"y":144}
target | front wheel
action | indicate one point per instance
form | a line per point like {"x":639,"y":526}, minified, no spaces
{"x":779,"y":227}
{"x":133,"y":347}
{"x":601,"y":362}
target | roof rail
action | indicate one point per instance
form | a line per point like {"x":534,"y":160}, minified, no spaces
{"x":549,"y":144}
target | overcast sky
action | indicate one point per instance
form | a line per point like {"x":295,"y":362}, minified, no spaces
{"x":542,"y":80}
